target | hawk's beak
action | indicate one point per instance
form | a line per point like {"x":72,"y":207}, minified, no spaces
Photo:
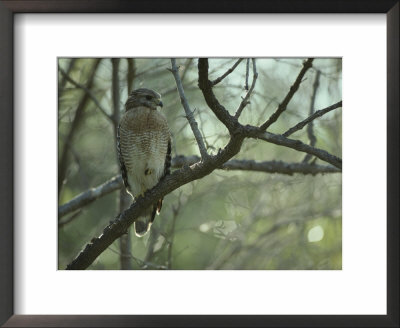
{"x":160,"y":103}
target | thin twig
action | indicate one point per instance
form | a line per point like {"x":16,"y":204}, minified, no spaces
{"x":175,"y":213}
{"x":229,"y":71}
{"x":277,"y":139}
{"x":62,"y":166}
{"x":143,"y":264}
{"x":87,"y":91}
{"x":310,"y":126}
{"x":186,"y":68}
{"x":309,"y":119}
{"x":69,"y":69}
{"x":246,"y":84}
{"x":282,"y":106}
{"x":154,"y":237}
{"x":310,"y":130}
{"x":189,"y":113}
{"x":245,"y":100}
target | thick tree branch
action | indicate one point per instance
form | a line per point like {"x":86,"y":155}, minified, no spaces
{"x":309,"y":119}
{"x":205,"y":86}
{"x":283,"y":105}
{"x":171,"y":182}
{"x":229,"y":71}
{"x":189,"y":113}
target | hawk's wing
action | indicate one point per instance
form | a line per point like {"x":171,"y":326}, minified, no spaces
{"x":124,"y":173}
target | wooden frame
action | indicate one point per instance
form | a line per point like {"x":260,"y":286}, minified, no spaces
{"x":9,"y":8}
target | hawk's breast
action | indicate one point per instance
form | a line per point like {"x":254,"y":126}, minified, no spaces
{"x":144,"y":137}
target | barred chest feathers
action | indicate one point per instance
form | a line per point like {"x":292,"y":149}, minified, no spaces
{"x":144,"y":137}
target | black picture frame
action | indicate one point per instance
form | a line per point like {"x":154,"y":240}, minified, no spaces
{"x":7,"y":197}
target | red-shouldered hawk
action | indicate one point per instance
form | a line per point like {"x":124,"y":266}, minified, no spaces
{"x":144,"y":149}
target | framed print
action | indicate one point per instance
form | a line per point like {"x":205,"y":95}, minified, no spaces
{"x":178,"y":167}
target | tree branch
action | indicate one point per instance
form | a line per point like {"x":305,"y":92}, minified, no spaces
{"x":171,"y":182}
{"x":205,"y":86}
{"x":62,"y":167}
{"x":171,"y":235}
{"x":69,"y":69}
{"x":235,"y":128}
{"x":89,"y":196}
{"x":186,"y":68}
{"x":189,"y":113}
{"x":279,"y":167}
{"x":309,"y":119}
{"x":88,"y":92}
{"x":229,"y":71}
{"x":245,"y":100}
{"x":282,"y":106}
{"x":246,"y":84}
{"x":310,"y":127}
{"x":179,"y":161}
{"x":256,"y":133}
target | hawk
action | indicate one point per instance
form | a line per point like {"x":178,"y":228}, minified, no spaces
{"x":144,"y":149}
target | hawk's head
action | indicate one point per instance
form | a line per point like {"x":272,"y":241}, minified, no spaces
{"x":143,"y":97}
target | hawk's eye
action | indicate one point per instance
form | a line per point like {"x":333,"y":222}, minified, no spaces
{"x":148,"y":97}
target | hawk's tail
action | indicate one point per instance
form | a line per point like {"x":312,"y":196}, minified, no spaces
{"x":143,"y":223}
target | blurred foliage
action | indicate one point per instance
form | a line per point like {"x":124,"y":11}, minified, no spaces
{"x":229,"y":219}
